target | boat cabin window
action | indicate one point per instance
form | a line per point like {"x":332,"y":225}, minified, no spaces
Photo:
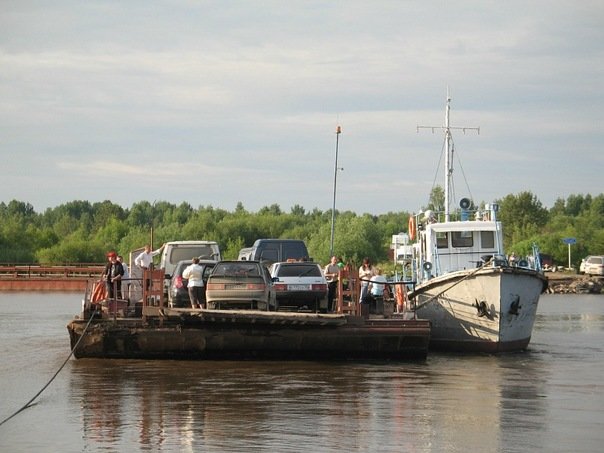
{"x":461,"y":239}
{"x":487,"y":239}
{"x":442,"y":240}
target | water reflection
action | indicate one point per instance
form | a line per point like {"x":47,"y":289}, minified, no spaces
{"x":289,"y":405}
{"x":549,"y":399}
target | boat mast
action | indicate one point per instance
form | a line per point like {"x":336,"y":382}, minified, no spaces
{"x":449,"y":157}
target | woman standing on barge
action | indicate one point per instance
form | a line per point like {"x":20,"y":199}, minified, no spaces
{"x":194,"y":273}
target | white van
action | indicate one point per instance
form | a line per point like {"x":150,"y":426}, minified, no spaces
{"x":172,"y":253}
{"x":176,"y":251}
{"x":245,"y":254}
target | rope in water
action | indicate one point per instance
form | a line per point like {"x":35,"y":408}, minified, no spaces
{"x":29,"y":403}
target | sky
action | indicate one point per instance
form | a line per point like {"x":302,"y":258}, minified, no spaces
{"x":215,"y":103}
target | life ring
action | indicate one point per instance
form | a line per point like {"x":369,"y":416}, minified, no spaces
{"x":400,"y":293}
{"x":412,"y":227}
{"x":99,"y":291}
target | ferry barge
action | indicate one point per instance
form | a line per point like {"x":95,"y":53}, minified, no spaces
{"x":109,"y":328}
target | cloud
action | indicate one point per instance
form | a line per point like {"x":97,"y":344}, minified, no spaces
{"x":245,"y":97}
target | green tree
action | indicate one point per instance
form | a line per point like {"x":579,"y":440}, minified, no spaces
{"x":522,"y":216}
{"x":105,"y":211}
{"x":76,"y":250}
{"x":436,"y":202}
{"x":79,"y":231}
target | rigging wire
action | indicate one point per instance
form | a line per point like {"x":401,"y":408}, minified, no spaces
{"x":415,"y":293}
{"x":29,"y":403}
{"x":452,"y":197}
{"x":452,"y":188}
{"x":465,"y":179}
{"x":442,"y":152}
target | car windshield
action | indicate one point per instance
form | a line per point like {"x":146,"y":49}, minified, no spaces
{"x":207,"y":268}
{"x":187,"y":252}
{"x":242,"y":269}
{"x":299,"y":270}
{"x":181,"y":267}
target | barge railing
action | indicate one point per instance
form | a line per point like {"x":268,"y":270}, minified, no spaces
{"x":82,"y":270}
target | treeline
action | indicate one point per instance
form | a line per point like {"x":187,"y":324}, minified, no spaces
{"x":80,"y":231}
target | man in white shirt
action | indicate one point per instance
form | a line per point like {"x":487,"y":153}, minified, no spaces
{"x":377,"y":283}
{"x":375,"y":293}
{"x":145,"y":259}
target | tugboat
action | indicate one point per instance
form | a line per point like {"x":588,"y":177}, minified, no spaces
{"x":476,"y":300}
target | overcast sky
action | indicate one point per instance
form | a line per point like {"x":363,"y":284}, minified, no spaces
{"x":220,"y":102}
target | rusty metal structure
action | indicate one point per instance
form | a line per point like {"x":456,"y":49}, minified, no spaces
{"x":149,"y":329}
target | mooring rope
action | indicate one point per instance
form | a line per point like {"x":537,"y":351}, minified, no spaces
{"x":29,"y":403}
{"x":449,"y":287}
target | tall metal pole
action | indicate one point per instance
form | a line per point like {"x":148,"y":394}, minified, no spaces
{"x":152,"y":222}
{"x":335,"y":179}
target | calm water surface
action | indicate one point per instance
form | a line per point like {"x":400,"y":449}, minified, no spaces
{"x":550,"y":398}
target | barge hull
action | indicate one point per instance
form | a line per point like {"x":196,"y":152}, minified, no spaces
{"x":228,"y":336}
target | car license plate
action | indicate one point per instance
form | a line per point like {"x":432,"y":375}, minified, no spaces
{"x":236,"y":286}
{"x":298,"y":287}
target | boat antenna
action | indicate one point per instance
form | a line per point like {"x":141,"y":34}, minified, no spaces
{"x":447,"y":128}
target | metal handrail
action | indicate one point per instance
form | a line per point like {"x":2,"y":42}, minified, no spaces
{"x":41,"y":270}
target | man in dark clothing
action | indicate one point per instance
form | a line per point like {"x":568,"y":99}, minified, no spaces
{"x":113,"y":275}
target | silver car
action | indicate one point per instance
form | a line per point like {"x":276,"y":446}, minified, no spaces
{"x":299,"y":285}
{"x":594,"y":265}
{"x":240,"y":284}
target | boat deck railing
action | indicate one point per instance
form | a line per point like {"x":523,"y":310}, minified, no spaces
{"x":134,"y":297}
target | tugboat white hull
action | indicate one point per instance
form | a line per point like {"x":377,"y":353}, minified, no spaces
{"x":476,"y":298}
{"x":488,"y":310}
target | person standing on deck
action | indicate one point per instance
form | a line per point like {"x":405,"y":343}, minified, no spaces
{"x":125,"y":277}
{"x":113,"y":276}
{"x":194,"y":273}
{"x":377,"y":284}
{"x":145,"y":259}
{"x":366,"y":271}
{"x":332,"y":274}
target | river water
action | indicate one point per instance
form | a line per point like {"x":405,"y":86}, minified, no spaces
{"x":550,"y":398}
